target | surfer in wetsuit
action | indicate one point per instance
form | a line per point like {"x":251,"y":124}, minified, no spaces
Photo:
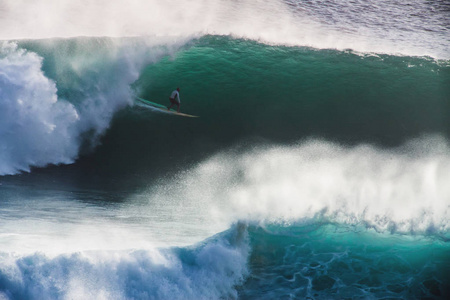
{"x":175,"y":99}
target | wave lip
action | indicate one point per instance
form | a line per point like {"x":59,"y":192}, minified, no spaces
{"x":51,"y":109}
{"x":35,"y":128}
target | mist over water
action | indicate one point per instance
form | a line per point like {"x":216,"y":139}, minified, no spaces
{"x":399,"y":191}
{"x":365,"y":27}
{"x":318,"y":167}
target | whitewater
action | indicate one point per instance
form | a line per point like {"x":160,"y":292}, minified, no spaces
{"x":318,"y":168}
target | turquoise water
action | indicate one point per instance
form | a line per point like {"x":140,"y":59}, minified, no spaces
{"x":318,"y":168}
{"x":338,"y":262}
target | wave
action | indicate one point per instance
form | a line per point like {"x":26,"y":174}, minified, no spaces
{"x":398,"y":191}
{"x":73,"y":88}
{"x":326,"y":95}
{"x":335,"y":261}
{"x":246,"y":261}
{"x":210,"y":270}
{"x":36,"y":129}
{"x":55,"y":105}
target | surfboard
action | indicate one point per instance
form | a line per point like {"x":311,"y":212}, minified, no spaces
{"x":161,"y":108}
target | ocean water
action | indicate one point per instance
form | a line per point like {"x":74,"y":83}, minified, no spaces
{"x":318,"y":168}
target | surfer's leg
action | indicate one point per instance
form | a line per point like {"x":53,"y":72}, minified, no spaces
{"x":171,"y":104}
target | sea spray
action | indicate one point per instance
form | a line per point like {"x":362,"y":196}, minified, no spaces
{"x":209,"y":270}
{"x":302,"y":105}
{"x":319,"y":24}
{"x":52,"y":107}
{"x":35,"y":128}
{"x":399,"y":191}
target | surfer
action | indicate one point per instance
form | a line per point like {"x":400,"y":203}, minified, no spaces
{"x":175,"y":99}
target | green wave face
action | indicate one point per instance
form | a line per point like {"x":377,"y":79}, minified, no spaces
{"x":244,"y":92}
{"x":242,"y":88}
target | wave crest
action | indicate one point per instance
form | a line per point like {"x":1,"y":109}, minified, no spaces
{"x":35,"y":127}
{"x":207,"y":271}
{"x":44,"y":121}
{"x":402,"y":190}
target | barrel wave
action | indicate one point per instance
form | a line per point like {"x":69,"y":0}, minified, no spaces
{"x":317,"y":169}
{"x":338,"y":95}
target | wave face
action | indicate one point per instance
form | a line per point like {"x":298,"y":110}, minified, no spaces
{"x":318,"y":167}
{"x":331,"y":94}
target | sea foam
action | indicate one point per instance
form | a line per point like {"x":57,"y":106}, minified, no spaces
{"x":400,"y":190}
{"x":209,"y":270}
{"x":48,"y":110}
{"x":35,"y":128}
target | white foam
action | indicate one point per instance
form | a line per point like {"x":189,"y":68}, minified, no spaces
{"x":35,"y":128}
{"x":403,"y":190}
{"x":38,"y":128}
{"x":207,"y":271}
